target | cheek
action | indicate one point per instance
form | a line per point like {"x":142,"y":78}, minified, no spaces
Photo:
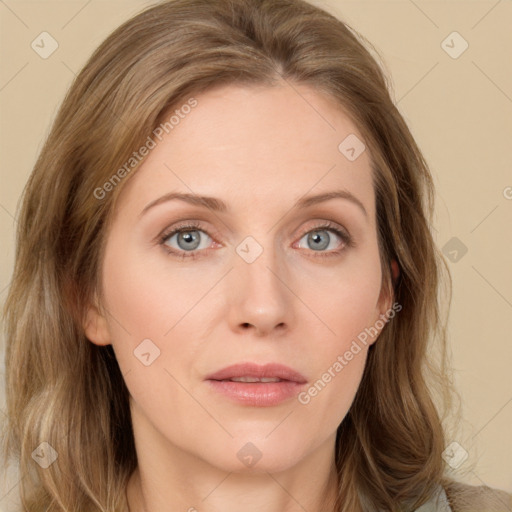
{"x":338,"y":354}
{"x":326,"y":401}
{"x":145,"y":303}
{"x":147,"y":291}
{"x":347,"y":305}
{"x":153,"y":322}
{"x":344,"y":300}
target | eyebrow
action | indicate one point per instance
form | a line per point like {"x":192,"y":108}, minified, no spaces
{"x":218,"y":205}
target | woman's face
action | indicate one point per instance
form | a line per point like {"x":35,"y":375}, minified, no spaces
{"x":262,"y":277}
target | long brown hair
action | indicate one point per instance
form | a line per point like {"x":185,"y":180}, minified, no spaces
{"x":68,"y":392}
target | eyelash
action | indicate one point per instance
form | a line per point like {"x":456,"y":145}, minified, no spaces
{"x":195,"y":226}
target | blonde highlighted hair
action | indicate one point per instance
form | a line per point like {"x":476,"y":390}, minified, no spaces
{"x":68,"y":392}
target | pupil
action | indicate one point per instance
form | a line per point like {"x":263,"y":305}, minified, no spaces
{"x":317,"y":238}
{"x":189,"y":238}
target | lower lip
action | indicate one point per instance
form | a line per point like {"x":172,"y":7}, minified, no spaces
{"x":259,"y":394}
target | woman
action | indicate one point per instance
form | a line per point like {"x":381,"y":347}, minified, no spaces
{"x":225,"y":282}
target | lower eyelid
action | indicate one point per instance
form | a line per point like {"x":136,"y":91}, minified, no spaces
{"x":164,"y":238}
{"x":344,"y":237}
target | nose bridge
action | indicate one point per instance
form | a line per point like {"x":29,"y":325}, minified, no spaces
{"x":259,"y":294}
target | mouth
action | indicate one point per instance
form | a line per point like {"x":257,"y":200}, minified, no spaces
{"x":251,"y":372}
{"x":253,"y":379}
{"x":257,"y":385}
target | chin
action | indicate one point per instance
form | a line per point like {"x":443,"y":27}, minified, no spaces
{"x":255,"y":455}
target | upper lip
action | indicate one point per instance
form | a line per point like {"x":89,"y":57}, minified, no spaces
{"x":268,"y":370}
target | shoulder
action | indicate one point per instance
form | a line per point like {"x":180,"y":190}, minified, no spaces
{"x":437,"y":503}
{"x":455,"y":496}
{"x":469,"y":498}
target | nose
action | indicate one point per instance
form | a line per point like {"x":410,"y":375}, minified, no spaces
{"x":260,"y":296}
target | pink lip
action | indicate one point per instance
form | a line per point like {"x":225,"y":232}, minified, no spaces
{"x":258,"y":394}
{"x":254,"y":370}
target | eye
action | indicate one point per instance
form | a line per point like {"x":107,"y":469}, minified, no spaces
{"x":189,"y":239}
{"x":320,"y":238}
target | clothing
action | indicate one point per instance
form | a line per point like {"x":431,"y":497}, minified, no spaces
{"x":481,"y":498}
{"x":460,"y":497}
{"x":438,"y":503}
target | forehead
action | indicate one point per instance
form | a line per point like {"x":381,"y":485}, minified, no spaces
{"x":249,"y":143}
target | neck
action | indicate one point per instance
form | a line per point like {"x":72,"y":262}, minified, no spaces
{"x":293,"y":490}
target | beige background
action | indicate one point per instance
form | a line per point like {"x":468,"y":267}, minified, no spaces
{"x":459,"y":110}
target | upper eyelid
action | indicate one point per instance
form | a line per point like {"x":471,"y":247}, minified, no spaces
{"x":181,"y":226}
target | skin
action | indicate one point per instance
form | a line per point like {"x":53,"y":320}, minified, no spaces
{"x":259,"y":149}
